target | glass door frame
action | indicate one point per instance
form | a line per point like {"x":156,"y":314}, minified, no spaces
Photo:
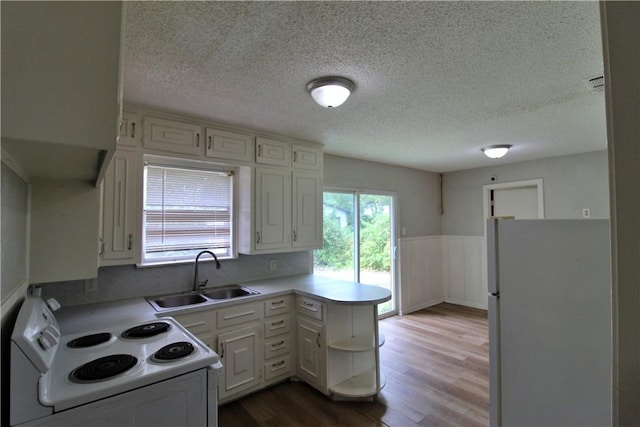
{"x":393,"y":211}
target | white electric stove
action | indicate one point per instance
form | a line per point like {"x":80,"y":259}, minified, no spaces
{"x":150,"y":373}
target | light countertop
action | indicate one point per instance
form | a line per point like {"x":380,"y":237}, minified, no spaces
{"x":91,"y":317}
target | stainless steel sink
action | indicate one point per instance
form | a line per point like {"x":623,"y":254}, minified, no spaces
{"x":229,"y":292}
{"x":179,"y":300}
{"x":205,"y":296}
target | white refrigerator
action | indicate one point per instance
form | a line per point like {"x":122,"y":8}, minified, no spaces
{"x":549,"y":322}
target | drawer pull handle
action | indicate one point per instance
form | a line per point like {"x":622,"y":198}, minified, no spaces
{"x":197,"y":140}
{"x":130,"y":241}
{"x":133,"y":129}
{"x":277,"y":323}
{"x":279,"y":364}
{"x":309,"y":306}
{"x":235,"y":316}
{"x":209,"y":142}
{"x":318,"y":340}
{"x":278,"y":344}
{"x":274,"y":303}
{"x":221,"y":350}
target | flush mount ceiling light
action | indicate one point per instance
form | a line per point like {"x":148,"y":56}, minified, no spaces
{"x":496,"y":151}
{"x":330,"y":92}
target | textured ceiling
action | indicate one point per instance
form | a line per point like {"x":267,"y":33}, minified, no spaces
{"x":435,"y":81}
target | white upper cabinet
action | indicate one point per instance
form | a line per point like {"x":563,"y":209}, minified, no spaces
{"x":306,"y":157}
{"x":130,"y":129}
{"x":272,"y":152}
{"x":229,"y":145}
{"x":306,"y":211}
{"x":172,"y":136}
{"x":272,"y":208}
{"x":120,"y":241}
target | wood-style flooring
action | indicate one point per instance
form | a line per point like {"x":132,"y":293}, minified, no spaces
{"x":436,"y":363}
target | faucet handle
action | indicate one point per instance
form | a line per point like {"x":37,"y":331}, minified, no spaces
{"x":203,"y":283}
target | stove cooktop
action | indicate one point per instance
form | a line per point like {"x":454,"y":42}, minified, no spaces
{"x":98,"y":364}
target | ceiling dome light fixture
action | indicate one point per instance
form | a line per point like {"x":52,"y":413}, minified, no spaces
{"x":495,"y":151}
{"x":330,"y":92}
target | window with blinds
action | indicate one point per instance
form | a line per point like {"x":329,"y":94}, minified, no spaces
{"x":187,"y":211}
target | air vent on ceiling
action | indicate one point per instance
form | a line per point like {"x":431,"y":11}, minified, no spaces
{"x":596,"y":84}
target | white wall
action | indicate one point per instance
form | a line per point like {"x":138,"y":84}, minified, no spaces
{"x":570,"y":184}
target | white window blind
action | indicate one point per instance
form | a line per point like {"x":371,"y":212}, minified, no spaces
{"x":187,"y":211}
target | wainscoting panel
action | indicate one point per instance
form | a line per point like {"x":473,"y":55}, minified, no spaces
{"x":420,"y":273}
{"x":434,"y":269}
{"x":464,"y":270}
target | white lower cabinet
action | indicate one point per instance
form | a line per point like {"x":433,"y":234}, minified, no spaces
{"x":240,"y":354}
{"x":201,"y":324}
{"x":311,"y":353}
{"x":332,"y":347}
{"x":311,"y":361}
{"x":278,"y":341}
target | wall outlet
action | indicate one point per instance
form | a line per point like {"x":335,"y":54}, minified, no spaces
{"x":586,"y":213}
{"x":273,"y":264}
{"x":91,"y":285}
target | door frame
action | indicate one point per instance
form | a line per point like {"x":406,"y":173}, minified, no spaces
{"x":486,"y":195}
{"x":393,"y":229}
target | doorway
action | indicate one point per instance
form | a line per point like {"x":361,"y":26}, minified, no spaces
{"x":358,"y":236}
{"x":517,"y":199}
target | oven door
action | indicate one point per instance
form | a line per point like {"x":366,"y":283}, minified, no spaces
{"x":179,"y":401}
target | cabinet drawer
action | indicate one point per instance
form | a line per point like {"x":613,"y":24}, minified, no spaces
{"x":277,"y":326}
{"x":278,"y":368}
{"x":276,"y":306}
{"x":235,"y":315}
{"x":197,"y":323}
{"x":277,"y":346}
{"x":309,"y":307}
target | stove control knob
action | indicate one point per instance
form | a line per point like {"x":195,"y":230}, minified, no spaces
{"x":44,"y":342}
{"x":52,"y":330}
{"x":48,"y":337}
{"x":53,"y":304}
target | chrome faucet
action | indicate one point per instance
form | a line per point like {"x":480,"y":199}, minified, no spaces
{"x":196,"y":283}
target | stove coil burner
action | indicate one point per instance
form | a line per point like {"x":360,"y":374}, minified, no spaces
{"x":103,"y":368}
{"x":89,"y":340}
{"x":173,"y":351}
{"x":146,"y":331}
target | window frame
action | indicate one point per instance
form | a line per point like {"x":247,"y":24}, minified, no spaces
{"x":197,"y":165}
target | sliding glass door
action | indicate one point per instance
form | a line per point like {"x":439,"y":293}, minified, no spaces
{"x":358,"y":240}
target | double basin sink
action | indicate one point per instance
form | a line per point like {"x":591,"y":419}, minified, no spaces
{"x":200,"y":297}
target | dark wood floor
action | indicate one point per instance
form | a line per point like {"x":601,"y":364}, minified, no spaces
{"x":436,"y":362}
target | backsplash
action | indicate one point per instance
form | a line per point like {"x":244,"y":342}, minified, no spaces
{"x":122,"y":282}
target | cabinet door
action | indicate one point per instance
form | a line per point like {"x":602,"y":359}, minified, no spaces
{"x":307,"y":211}
{"x":119,"y":214}
{"x":311,"y":349}
{"x":271,"y":152}
{"x":273,"y":209}
{"x":129,"y":132}
{"x":173,"y":136}
{"x":228,"y":145}
{"x":239,"y":354}
{"x":305,"y":157}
